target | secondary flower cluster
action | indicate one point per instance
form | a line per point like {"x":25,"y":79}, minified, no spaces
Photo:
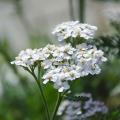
{"x":74,"y":29}
{"x":76,"y":110}
{"x":28,"y":57}
{"x":63,"y":64}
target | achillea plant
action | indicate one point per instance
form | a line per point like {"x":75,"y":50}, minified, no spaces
{"x":79,"y":110}
{"x":63,"y":64}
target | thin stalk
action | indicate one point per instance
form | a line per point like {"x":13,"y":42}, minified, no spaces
{"x":59,"y":99}
{"x":71,"y":9}
{"x":46,"y":105}
{"x":81,"y":6}
{"x":38,"y":81}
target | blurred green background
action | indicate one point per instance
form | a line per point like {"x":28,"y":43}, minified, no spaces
{"x":28,"y":24}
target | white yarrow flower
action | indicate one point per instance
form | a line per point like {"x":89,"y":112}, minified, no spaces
{"x":83,"y":60}
{"x":63,"y":64}
{"x":74,"y":29}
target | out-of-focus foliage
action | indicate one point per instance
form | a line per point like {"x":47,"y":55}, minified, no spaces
{"x":114,"y":114}
{"x":19,"y":103}
{"x":39,"y":41}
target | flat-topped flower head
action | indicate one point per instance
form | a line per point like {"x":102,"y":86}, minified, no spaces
{"x":67,"y":64}
{"x":74,"y":29}
{"x":62,"y":64}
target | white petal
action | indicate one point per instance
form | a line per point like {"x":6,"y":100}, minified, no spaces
{"x":45,"y":81}
{"x":61,"y":89}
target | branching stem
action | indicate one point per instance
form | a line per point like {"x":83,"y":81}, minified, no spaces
{"x":38,"y":81}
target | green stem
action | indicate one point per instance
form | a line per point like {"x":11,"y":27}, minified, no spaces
{"x":59,"y":99}
{"x":38,"y":81}
{"x":81,"y":6}
{"x":45,"y":102}
{"x":71,"y":9}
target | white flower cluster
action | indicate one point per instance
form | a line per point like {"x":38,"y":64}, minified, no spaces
{"x":28,"y":57}
{"x":67,"y":63}
{"x":75,"y":110}
{"x":63,"y":63}
{"x":74,"y":29}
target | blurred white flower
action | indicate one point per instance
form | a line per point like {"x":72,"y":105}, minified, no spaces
{"x":74,"y":29}
{"x":77,"y":110}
